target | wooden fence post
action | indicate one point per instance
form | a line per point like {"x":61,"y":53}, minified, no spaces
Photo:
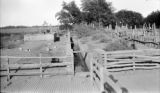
{"x":101,"y":79}
{"x":8,"y":69}
{"x":72,"y":65}
{"x":105,"y":60}
{"x":91,"y":66}
{"x":133,"y":60}
{"x":41,"y":75}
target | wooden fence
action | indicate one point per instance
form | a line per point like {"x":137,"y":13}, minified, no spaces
{"x":103,"y":64}
{"x":147,"y":37}
{"x":132,"y":60}
{"x":68,"y":63}
{"x":100,"y":76}
{"x":10,"y":68}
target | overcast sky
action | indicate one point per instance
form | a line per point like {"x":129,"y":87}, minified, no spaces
{"x":35,"y":12}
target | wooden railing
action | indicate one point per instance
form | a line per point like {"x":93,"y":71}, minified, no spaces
{"x":100,"y":76}
{"x":132,"y":60}
{"x":103,"y":64}
{"x":10,"y":66}
{"x":140,"y":36}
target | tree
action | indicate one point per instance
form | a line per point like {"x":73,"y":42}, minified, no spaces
{"x":98,"y":11}
{"x":152,"y":18}
{"x":70,"y":13}
{"x":130,"y":18}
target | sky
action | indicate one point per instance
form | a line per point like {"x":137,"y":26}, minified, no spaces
{"x":35,"y":12}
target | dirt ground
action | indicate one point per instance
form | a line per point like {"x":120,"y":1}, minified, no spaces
{"x":140,"y":81}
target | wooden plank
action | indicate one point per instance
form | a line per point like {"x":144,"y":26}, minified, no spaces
{"x":125,"y":65}
{"x":153,"y":67}
{"x":91,"y":67}
{"x":33,"y":57}
{"x":127,"y":60}
{"x":120,"y":56}
{"x":34,"y":73}
{"x":97,"y":71}
{"x":152,"y":64}
{"x":113,"y":59}
{"x":131,"y":51}
{"x":149,"y":57}
{"x":120,"y":62}
{"x":119,"y":65}
{"x":13,"y":66}
{"x":97,"y":81}
{"x":114,"y":85}
{"x":41,"y":70}
{"x":8,"y":70}
{"x":120,"y":69}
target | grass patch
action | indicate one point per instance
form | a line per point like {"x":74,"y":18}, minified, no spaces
{"x":83,"y":31}
{"x":98,"y":36}
{"x":10,"y":40}
{"x":118,"y":45}
{"x":105,"y":40}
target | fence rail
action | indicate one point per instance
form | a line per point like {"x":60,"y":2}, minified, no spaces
{"x":100,"y":76}
{"x":103,"y":64}
{"x":134,"y":59}
{"x":69,"y":64}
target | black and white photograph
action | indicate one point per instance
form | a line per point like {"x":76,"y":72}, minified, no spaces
{"x":79,"y":46}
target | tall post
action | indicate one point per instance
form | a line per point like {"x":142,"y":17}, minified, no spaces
{"x":91,"y":66}
{"x":133,"y":61}
{"x":41,"y":75}
{"x":8,"y":69}
{"x":101,"y":79}
{"x":105,"y":59}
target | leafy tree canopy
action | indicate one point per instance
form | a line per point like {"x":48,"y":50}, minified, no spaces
{"x":98,"y":11}
{"x":130,"y":18}
{"x":102,"y":13}
{"x":70,"y":13}
{"x":152,"y":18}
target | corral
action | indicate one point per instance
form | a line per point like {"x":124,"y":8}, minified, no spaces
{"x":54,"y":63}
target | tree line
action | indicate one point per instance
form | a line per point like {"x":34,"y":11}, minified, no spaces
{"x":100,"y":12}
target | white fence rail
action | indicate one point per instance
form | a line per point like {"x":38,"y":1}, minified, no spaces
{"x":67,"y":62}
{"x":103,"y":64}
{"x":100,"y":76}
{"x":132,"y":60}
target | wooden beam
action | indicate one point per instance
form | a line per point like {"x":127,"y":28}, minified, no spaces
{"x":35,"y":73}
{"x":33,"y":57}
{"x":22,"y":66}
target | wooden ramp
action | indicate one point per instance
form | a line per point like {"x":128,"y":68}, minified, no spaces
{"x":53,"y":84}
